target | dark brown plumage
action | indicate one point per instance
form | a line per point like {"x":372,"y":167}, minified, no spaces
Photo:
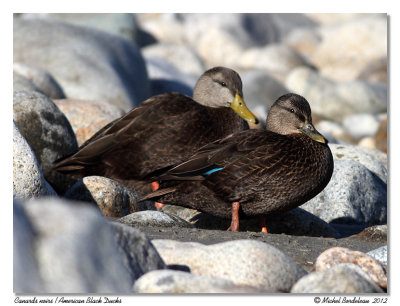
{"x":267,"y":172}
{"x":163,"y":131}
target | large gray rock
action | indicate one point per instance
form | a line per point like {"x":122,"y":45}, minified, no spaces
{"x":153,"y":218}
{"x":87,"y":63}
{"x":354,"y":195}
{"x":32,"y":78}
{"x":25,"y":267}
{"x":169,"y":281}
{"x":47,"y":131}
{"x":245,"y":262}
{"x":75,"y":249}
{"x":342,"y":278}
{"x":28,"y":179}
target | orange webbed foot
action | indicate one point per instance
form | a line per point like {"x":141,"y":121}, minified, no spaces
{"x":154,"y":186}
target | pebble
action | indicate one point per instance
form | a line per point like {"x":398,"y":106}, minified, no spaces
{"x":380,"y":255}
{"x":75,"y":250}
{"x":250,"y":263}
{"x":169,"y":281}
{"x":361,"y":125}
{"x":354,"y":195}
{"x":47,"y":131}
{"x":88,"y":117}
{"x":28,"y":179}
{"x":111,"y":197}
{"x":117,"y":75}
{"x":32,"y":78}
{"x":337,"y":255}
{"x":153,"y":218}
{"x":342,"y":278}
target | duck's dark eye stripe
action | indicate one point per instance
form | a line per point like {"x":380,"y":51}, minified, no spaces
{"x":291,"y":110}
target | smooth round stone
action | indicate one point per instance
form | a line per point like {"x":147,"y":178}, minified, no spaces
{"x":354,"y":195}
{"x":342,"y":278}
{"x":184,"y":58}
{"x":89,"y":64}
{"x":244,"y":262}
{"x":335,"y":129}
{"x":361,"y":125}
{"x":48,"y":133}
{"x":304,"y":40}
{"x":88,"y":117}
{"x":337,"y":255}
{"x":32,"y":78}
{"x":169,"y":281}
{"x":28,"y":179}
{"x":154,"y":218}
{"x":379,"y":254}
{"x":376,"y":71}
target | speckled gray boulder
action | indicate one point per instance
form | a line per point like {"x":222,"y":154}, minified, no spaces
{"x":28,"y":179}
{"x":113,"y":198}
{"x":153,"y":218}
{"x":88,"y":64}
{"x":373,"y":159}
{"x":26,"y":272}
{"x":139,"y":254}
{"x":342,"y":278}
{"x":47,"y":131}
{"x":75,"y":249}
{"x":353,"y":195}
{"x":32,"y":78}
{"x":169,"y":281}
{"x":379,"y":254}
{"x":245,"y":262}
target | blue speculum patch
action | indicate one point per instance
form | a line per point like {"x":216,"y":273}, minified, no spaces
{"x":212,"y":171}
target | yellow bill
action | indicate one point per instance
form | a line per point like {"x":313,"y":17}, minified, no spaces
{"x":241,"y":109}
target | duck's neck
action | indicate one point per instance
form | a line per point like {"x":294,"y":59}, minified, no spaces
{"x":226,"y":121}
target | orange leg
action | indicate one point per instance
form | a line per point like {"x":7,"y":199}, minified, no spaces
{"x":261,"y":221}
{"x":154,"y":187}
{"x":235,"y":217}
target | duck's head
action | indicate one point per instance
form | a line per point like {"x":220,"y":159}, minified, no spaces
{"x":291,"y":114}
{"x":222,"y":87}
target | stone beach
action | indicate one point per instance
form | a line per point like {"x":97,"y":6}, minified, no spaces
{"x":75,"y":73}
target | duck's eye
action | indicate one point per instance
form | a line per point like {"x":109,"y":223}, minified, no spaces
{"x":292,"y":110}
{"x":223,"y":84}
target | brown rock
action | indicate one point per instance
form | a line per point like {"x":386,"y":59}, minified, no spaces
{"x":376,"y":233}
{"x":337,"y":255}
{"x":87,"y":117}
{"x":381,"y":136}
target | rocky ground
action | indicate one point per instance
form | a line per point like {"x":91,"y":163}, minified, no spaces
{"x":73,"y":73}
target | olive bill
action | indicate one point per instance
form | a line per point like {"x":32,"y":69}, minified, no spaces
{"x":311,"y":132}
{"x":241,"y":109}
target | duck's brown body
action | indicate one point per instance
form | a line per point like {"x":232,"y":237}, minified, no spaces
{"x":163,"y":131}
{"x":282,"y":173}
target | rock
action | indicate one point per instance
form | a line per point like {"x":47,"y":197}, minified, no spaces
{"x":32,"y":78}
{"x":296,"y":222}
{"x":342,"y":278}
{"x":25,"y":268}
{"x":101,"y":66}
{"x":373,"y":159}
{"x":353,"y":195}
{"x":28,"y":179}
{"x":367,"y":142}
{"x":332,"y":19}
{"x":47,"y":131}
{"x":112,"y":198}
{"x":344,"y":52}
{"x":260,"y":91}
{"x":381,"y":136}
{"x":244,"y":262}
{"x":336,"y":255}
{"x":373,"y":233}
{"x":361,"y":125}
{"x":75,"y":249}
{"x":310,"y":84}
{"x":154,"y":218}
{"x":327,"y":127}
{"x":119,"y":24}
{"x":140,"y":255}
{"x":379,"y":254}
{"x":169,"y":281}
{"x":304,"y":40}
{"x":374,"y":72}
{"x":87,"y":117}
{"x":185,"y":59}
{"x":277,"y":59}
{"x":350,"y":98}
